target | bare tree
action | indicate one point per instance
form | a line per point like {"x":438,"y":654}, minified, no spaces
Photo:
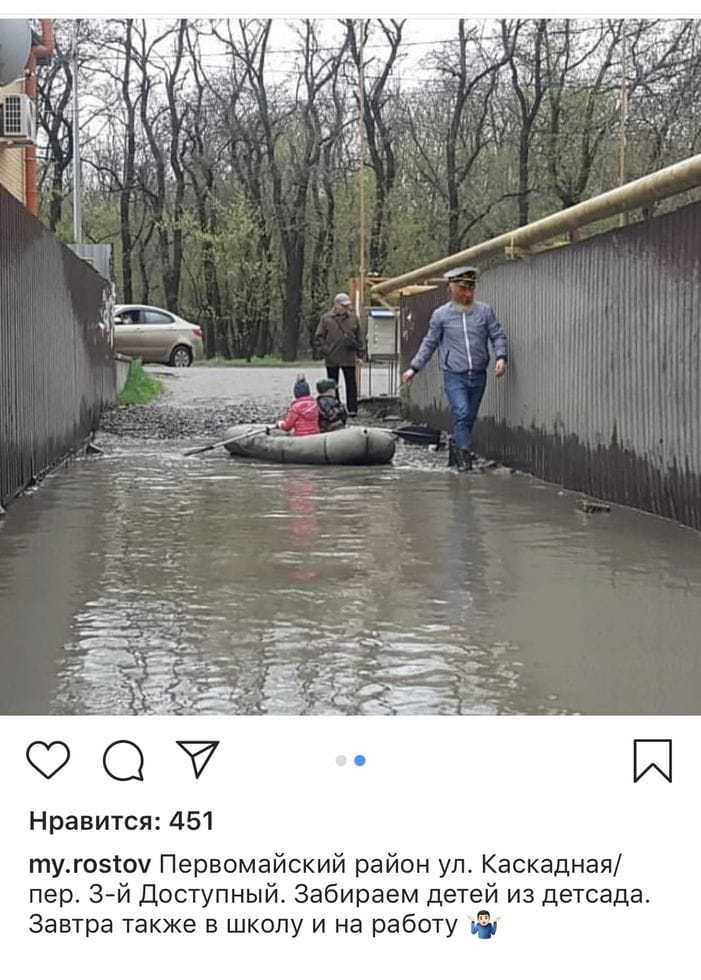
{"x":582,"y":91}
{"x":523,"y":42}
{"x":200,"y":160}
{"x":129,"y":170}
{"x":119,"y":43}
{"x":330,"y":119}
{"x":228,"y":187}
{"x":250,"y":295}
{"x":377,"y":120}
{"x":55,"y":90}
{"x":459,"y":115}
{"x":663,"y":77}
{"x":165,"y":138}
{"x":291,"y":155}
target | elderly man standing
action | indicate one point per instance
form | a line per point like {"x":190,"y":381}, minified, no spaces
{"x":339,"y":339}
{"x":462,"y":330}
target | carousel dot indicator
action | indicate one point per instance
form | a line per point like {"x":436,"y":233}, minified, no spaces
{"x":341,"y":760}
{"x":359,"y":760}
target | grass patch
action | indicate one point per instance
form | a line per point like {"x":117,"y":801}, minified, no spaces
{"x":268,"y":361}
{"x":141,"y":388}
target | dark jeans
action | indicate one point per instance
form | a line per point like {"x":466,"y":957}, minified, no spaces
{"x":464,"y":390}
{"x":351,"y":386}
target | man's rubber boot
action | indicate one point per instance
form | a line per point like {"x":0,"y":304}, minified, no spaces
{"x":461,"y":459}
{"x":464,"y":460}
{"x":452,"y":453}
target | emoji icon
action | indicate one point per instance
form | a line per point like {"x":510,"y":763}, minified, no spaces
{"x":484,"y":927}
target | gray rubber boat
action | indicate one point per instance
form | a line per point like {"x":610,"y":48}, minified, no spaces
{"x":353,"y":446}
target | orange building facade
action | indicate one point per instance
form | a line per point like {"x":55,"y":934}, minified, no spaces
{"x":18,"y":163}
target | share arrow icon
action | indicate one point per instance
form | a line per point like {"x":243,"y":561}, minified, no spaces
{"x":200,"y":753}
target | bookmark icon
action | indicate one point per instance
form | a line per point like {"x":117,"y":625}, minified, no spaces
{"x":652,"y":755}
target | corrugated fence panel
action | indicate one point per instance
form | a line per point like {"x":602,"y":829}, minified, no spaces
{"x":56,"y":365}
{"x":602,"y":392}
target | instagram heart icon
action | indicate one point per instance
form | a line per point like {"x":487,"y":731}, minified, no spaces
{"x":48,"y":758}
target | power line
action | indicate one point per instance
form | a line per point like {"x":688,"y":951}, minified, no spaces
{"x":482,"y":38}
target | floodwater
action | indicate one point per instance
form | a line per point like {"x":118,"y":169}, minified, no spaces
{"x":144,"y":582}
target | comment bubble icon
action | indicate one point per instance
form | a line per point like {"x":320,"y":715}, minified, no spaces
{"x":123,"y":761}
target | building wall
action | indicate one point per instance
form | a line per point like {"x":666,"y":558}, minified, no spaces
{"x":12,"y":159}
{"x":57,"y":371}
{"x":602,"y":393}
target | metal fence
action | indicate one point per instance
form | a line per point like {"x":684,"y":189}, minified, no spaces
{"x":603,"y":389}
{"x":56,"y":364}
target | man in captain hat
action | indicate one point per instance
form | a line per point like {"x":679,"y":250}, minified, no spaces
{"x":462,"y":330}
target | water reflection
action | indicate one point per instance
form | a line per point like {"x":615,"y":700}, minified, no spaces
{"x":206,"y":585}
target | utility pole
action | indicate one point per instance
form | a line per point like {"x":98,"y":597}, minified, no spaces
{"x":361,"y":170}
{"x":77,"y":209}
{"x":623,"y":218}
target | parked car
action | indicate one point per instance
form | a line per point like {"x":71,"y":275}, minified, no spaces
{"x":156,"y":335}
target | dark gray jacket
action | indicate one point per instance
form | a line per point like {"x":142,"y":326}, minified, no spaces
{"x":338,"y":338}
{"x":461,"y":335}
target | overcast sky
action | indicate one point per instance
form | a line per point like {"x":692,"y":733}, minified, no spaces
{"x":419,"y":38}
{"x":357,"y":8}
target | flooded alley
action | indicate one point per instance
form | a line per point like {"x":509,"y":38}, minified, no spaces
{"x":141,"y":581}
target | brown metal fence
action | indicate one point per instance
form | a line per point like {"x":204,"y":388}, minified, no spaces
{"x":603,"y":389}
{"x":56,"y":364}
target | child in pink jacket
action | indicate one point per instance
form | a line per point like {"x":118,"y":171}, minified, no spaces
{"x":303,"y":415}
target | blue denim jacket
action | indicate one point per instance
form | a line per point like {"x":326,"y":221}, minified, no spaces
{"x":461,"y":335}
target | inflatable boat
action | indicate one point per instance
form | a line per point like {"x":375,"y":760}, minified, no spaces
{"x":353,"y":446}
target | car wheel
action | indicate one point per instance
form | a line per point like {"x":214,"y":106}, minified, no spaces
{"x":181,"y":356}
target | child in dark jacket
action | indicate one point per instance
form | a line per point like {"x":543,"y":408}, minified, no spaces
{"x":303,"y":415}
{"x":332,"y":414}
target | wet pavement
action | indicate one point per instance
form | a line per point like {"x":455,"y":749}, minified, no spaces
{"x":141,"y":581}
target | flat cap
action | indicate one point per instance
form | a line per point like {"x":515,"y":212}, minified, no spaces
{"x":342,"y":299}
{"x":466,"y":274}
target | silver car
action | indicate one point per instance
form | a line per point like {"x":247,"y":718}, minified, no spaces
{"x":156,"y":335}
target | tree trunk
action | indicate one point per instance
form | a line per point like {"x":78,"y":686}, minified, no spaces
{"x":293,"y":300}
{"x":129,"y":172}
{"x":523,"y":155}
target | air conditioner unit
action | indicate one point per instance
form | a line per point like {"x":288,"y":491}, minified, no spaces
{"x":17,"y":119}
